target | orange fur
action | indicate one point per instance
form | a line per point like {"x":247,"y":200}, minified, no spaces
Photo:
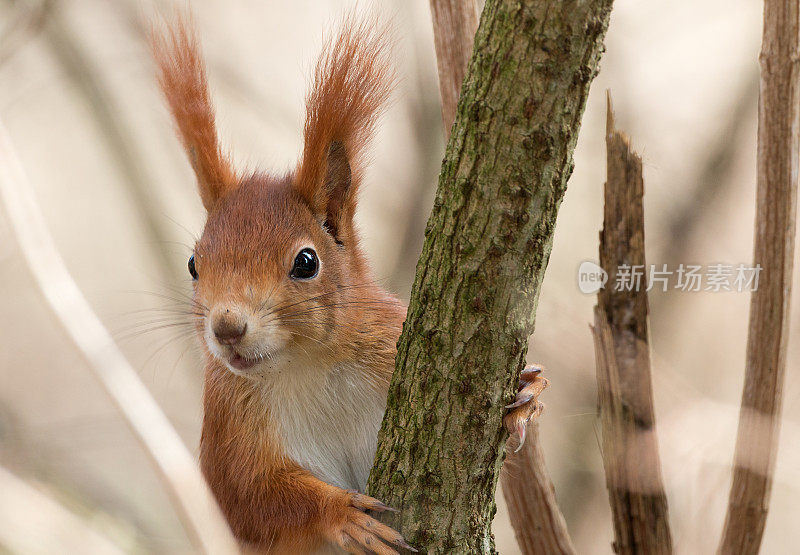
{"x":183,"y":81}
{"x":302,"y":335}
{"x":270,"y":503}
{"x":352,"y":83}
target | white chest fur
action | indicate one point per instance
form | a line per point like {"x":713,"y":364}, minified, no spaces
{"x":329,"y":422}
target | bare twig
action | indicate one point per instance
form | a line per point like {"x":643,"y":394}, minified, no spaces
{"x":776,"y":206}
{"x":31,"y":522}
{"x":181,"y":474}
{"x":454,"y":25}
{"x":538,"y":523}
{"x":625,"y":396}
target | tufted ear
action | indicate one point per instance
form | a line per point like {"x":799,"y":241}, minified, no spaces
{"x":182,"y":76}
{"x":352,"y":82}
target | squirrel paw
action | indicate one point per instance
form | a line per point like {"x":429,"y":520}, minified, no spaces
{"x":526,"y":405}
{"x":360,"y":533}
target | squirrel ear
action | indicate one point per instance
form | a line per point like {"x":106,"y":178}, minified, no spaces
{"x":338,"y":190}
{"x":352,"y":82}
{"x":182,"y":76}
{"x":332,"y":197}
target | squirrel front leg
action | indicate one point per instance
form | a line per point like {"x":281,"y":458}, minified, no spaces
{"x":296,"y":512}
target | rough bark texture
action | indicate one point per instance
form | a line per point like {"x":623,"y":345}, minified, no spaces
{"x":776,"y":206}
{"x":538,"y":523}
{"x":486,"y":247}
{"x":454,"y":26}
{"x":622,"y":350}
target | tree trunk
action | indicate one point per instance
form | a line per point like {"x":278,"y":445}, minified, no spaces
{"x":538,"y":523}
{"x":478,"y":279}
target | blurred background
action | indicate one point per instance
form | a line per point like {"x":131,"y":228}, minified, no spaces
{"x":79,"y":100}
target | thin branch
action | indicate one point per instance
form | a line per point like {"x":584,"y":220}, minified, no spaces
{"x":624,"y":387}
{"x":538,"y":523}
{"x":32,"y":522}
{"x":454,"y":26}
{"x":177,"y":468}
{"x":776,"y":206}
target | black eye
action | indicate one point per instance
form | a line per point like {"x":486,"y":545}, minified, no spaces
{"x":306,"y":265}
{"x":192,"y":269}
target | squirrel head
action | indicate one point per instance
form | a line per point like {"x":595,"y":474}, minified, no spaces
{"x":278,"y":272}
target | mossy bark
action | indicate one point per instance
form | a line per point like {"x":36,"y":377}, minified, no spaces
{"x":486,"y":248}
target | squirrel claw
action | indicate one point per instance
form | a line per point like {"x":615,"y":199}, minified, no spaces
{"x":361,"y":533}
{"x":519,"y":402}
{"x":530,"y":372}
{"x":406,"y":546}
{"x":521,"y":430}
{"x":365,"y":502}
{"x":526,"y":405}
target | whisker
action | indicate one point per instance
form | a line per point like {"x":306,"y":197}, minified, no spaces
{"x":324,"y":325}
{"x":175,"y":309}
{"x":174,"y":339}
{"x":160,"y":321}
{"x":341,"y":305}
{"x":338,"y":290}
{"x":327,"y":345}
{"x":183,"y":297}
{"x":268,"y":297}
{"x":131,"y":334}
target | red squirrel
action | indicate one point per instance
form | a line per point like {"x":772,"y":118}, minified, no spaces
{"x":299,"y":340}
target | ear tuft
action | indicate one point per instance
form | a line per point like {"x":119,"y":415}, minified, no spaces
{"x":352,"y":83}
{"x":182,"y":77}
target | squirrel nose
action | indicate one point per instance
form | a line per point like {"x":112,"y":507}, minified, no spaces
{"x":229,"y":328}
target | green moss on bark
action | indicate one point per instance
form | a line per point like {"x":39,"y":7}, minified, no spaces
{"x":486,"y":247}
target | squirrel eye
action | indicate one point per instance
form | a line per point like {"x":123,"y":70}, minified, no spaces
{"x":306,"y":265}
{"x":192,"y":269}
